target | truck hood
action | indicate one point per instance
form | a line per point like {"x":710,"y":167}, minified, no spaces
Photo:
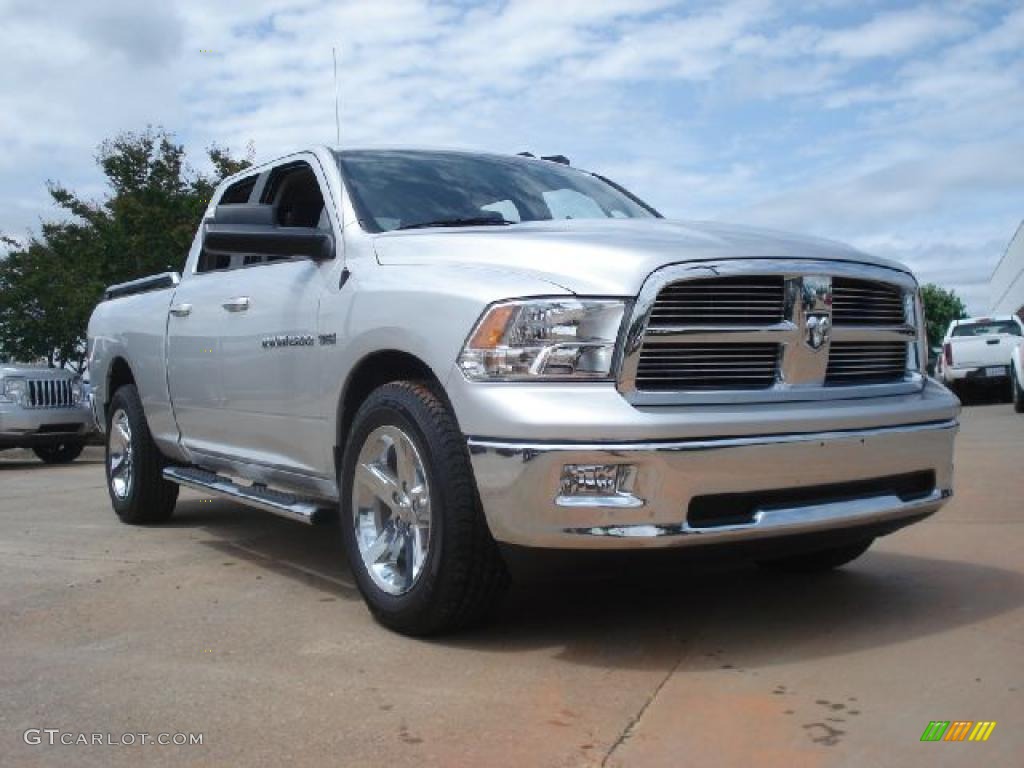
{"x":603,"y":256}
{"x":34,"y":372}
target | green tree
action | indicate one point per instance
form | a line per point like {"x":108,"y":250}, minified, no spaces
{"x":144,"y":224}
{"x":46,"y":298}
{"x":941,"y":307}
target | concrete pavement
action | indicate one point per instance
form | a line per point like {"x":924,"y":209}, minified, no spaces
{"x":246,"y":628}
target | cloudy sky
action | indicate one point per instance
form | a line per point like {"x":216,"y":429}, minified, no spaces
{"x":898,"y":127}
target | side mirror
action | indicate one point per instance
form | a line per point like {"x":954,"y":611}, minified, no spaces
{"x":288,"y":242}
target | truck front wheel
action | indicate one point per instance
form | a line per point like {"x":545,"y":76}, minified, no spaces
{"x":138,"y":491}
{"x":411,"y":521}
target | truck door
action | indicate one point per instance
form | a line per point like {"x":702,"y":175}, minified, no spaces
{"x":269,"y":342}
{"x":193,"y":360}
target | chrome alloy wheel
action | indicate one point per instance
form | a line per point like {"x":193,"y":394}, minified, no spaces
{"x":119,"y":455}
{"x":391,"y":509}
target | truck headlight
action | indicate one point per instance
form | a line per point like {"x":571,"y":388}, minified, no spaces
{"x":12,"y":389}
{"x":544,"y":339}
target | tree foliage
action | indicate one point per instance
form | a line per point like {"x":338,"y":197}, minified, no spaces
{"x":941,"y":307}
{"x":144,"y":224}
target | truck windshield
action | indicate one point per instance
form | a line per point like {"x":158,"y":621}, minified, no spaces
{"x":987,"y":328}
{"x":392,"y":189}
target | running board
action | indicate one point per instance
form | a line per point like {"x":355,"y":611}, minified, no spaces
{"x":259,"y":496}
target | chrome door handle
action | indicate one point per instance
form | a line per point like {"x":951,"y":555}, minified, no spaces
{"x":181,"y":310}
{"x":237,"y":304}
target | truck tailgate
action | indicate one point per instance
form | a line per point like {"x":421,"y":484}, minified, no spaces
{"x":976,"y":351}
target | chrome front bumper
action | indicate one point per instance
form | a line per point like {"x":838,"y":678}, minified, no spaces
{"x":519,"y":485}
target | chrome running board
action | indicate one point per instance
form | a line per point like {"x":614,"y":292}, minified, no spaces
{"x":259,"y":496}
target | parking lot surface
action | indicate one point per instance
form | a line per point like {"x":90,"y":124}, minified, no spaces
{"x":246,"y":629}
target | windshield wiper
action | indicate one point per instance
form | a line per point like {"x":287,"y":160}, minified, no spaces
{"x":471,"y":221}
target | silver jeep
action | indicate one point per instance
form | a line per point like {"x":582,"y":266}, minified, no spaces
{"x":44,"y":409}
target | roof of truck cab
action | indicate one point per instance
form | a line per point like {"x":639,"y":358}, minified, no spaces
{"x":317,"y":149}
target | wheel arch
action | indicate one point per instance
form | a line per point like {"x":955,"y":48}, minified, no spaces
{"x":118,"y":375}
{"x":374,"y":370}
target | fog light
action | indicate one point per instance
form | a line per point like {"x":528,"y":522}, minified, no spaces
{"x":598,"y":485}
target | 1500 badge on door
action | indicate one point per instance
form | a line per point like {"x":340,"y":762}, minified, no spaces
{"x":272,"y":342}
{"x":300,"y":340}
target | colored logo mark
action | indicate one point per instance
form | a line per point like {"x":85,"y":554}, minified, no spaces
{"x":958,"y":730}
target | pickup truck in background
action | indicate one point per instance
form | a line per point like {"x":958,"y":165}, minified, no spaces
{"x":977,"y":352}
{"x":45,"y":410}
{"x":452,"y":355}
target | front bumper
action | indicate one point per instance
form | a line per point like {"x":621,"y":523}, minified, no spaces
{"x":28,"y":427}
{"x":519,"y":484}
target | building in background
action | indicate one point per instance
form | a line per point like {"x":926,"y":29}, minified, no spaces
{"x":1007,"y":285}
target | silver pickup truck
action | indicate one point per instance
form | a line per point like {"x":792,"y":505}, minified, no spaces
{"x":43,"y":409}
{"x":455,"y":354}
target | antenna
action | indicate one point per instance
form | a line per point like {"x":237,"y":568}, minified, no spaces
{"x":337,"y":118}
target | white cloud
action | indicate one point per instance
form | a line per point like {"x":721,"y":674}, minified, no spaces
{"x":894,"y":33}
{"x":902,"y":192}
{"x":690,"y":46}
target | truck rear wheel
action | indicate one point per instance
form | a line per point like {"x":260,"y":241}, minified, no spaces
{"x":138,"y":491}
{"x":822,"y":560}
{"x":59,"y":453}
{"x":411,"y":521}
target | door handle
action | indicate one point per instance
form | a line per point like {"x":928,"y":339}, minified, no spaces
{"x":181,"y":310}
{"x":237,"y":304}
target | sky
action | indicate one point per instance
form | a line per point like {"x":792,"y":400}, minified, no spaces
{"x":897,"y":127}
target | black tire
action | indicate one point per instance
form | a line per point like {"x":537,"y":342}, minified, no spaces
{"x":148,"y":497}
{"x":1017,"y":390}
{"x":59,"y":453}
{"x":463,"y":576}
{"x":816,"y":562}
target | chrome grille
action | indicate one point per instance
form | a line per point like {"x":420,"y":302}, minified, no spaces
{"x":746,"y":300}
{"x":767,"y":330}
{"x":866,"y":302}
{"x":707,"y":366}
{"x":49,"y":393}
{"x":866,"y":362}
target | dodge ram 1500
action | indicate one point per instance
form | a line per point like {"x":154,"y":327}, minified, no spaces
{"x":449,"y":354}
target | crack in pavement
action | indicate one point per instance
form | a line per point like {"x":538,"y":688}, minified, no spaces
{"x":304,"y":569}
{"x":627,"y":732}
